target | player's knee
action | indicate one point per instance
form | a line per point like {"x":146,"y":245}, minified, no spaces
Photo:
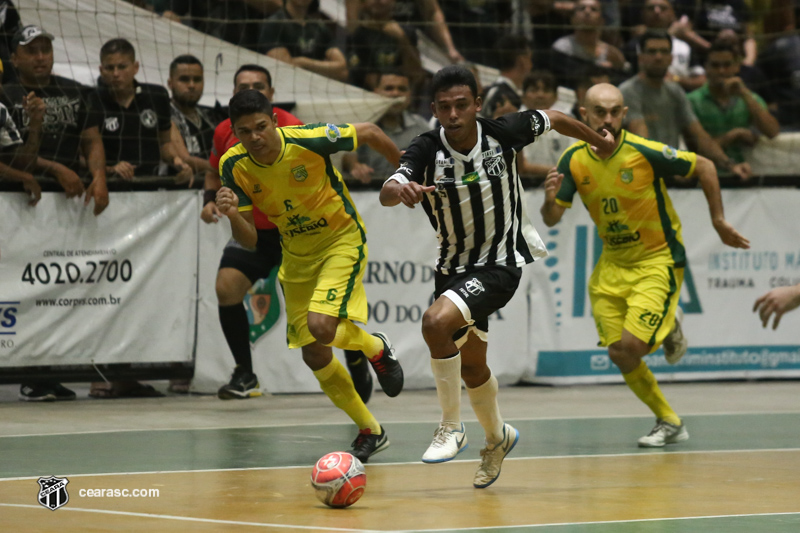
{"x":227,"y":291}
{"x":322,"y":327}
{"x":434,"y":326}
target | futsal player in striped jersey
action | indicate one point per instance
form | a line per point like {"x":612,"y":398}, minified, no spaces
{"x":287,"y":173}
{"x":636,"y":284}
{"x":464,"y":174}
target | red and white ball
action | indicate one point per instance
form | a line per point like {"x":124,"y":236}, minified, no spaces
{"x":338,"y":479}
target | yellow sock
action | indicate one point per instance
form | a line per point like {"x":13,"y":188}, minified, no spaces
{"x":644,"y":385}
{"x":351,"y":337}
{"x":335,"y":382}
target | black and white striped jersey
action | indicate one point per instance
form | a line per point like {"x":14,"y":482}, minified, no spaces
{"x":477,"y":208}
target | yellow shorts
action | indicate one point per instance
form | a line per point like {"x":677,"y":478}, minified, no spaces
{"x":641,"y":300}
{"x":331,"y":284}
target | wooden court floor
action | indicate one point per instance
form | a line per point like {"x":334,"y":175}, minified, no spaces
{"x":244,"y":466}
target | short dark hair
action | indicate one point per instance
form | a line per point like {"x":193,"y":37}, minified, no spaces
{"x":247,"y":103}
{"x":545,"y":76}
{"x":452,"y":76}
{"x":724,"y":46}
{"x":252,"y":67}
{"x":185,"y":59}
{"x":508,"y":48}
{"x":118,"y":46}
{"x":391,"y":71}
{"x":652,"y":35}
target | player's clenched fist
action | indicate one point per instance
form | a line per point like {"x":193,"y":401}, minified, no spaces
{"x":227,"y":201}
{"x":411,"y":193}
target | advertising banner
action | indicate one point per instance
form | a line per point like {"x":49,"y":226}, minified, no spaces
{"x":76,"y":289}
{"x":721,"y":284}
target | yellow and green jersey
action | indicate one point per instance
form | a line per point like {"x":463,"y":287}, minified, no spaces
{"x":627,"y":199}
{"x":301,"y":192}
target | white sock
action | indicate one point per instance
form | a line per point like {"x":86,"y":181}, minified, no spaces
{"x":447,"y":373}
{"x":484,"y":402}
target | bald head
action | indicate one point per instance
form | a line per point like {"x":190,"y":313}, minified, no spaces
{"x":604,"y":109}
{"x":604,"y":93}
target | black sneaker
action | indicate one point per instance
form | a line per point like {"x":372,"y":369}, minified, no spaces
{"x":62,"y":393}
{"x":367,"y":444}
{"x":359,"y":371}
{"x":36,"y":392}
{"x":243,"y":385}
{"x":387,"y":368}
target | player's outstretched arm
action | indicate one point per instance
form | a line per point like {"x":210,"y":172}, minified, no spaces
{"x":243,"y":226}
{"x":603,"y":145}
{"x":777,"y":301}
{"x":373,"y":136}
{"x":551,"y":211}
{"x":409,"y":194}
{"x":706,"y":172}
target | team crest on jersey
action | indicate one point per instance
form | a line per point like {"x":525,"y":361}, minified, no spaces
{"x":332,"y":132}
{"x":148,"y":118}
{"x":300,"y":173}
{"x":626,"y":175}
{"x":257,"y":188}
{"x":495,"y":166}
{"x":111,"y":124}
{"x":669,"y":152}
{"x":472,"y":177}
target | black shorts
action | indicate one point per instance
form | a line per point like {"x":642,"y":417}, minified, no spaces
{"x":480,"y":292}
{"x":258,"y":263}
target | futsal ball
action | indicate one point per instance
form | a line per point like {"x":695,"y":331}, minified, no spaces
{"x":338,"y":479}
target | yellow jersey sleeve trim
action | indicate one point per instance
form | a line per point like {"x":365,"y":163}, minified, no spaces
{"x":562,"y":203}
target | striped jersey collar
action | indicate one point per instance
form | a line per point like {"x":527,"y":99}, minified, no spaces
{"x":455,"y":153}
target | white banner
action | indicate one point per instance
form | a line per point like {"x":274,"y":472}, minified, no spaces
{"x":726,"y":339}
{"x":77,"y":289}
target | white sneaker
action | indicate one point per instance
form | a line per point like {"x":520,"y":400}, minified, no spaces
{"x":664,"y":433}
{"x":492,"y":459}
{"x":447,"y":443}
{"x":675,"y":343}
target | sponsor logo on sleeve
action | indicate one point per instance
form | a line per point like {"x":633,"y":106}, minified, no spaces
{"x":332,"y":132}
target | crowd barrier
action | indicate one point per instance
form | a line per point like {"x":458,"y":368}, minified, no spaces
{"x":134,"y":288}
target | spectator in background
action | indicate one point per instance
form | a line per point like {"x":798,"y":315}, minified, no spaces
{"x":730,"y":112}
{"x":135,"y":118}
{"x":709,"y":17}
{"x":539,"y":91}
{"x":514,"y":58}
{"x":397,"y":123}
{"x":542,"y":24}
{"x":659,"y":14}
{"x":476,"y":25}
{"x":69,"y":130}
{"x":194,"y":123}
{"x":9,"y":25}
{"x":17,"y":157}
{"x":588,"y":76}
{"x":777,"y":302}
{"x":298,"y":36}
{"x":423,"y":15}
{"x":584,"y":44}
{"x":136,"y":130}
{"x":780,"y":62}
{"x":658,"y":109}
{"x":379,"y":43}
{"x":752,"y":76}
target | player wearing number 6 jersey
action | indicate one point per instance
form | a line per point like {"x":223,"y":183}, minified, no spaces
{"x":287,"y":173}
{"x":636,"y":284}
